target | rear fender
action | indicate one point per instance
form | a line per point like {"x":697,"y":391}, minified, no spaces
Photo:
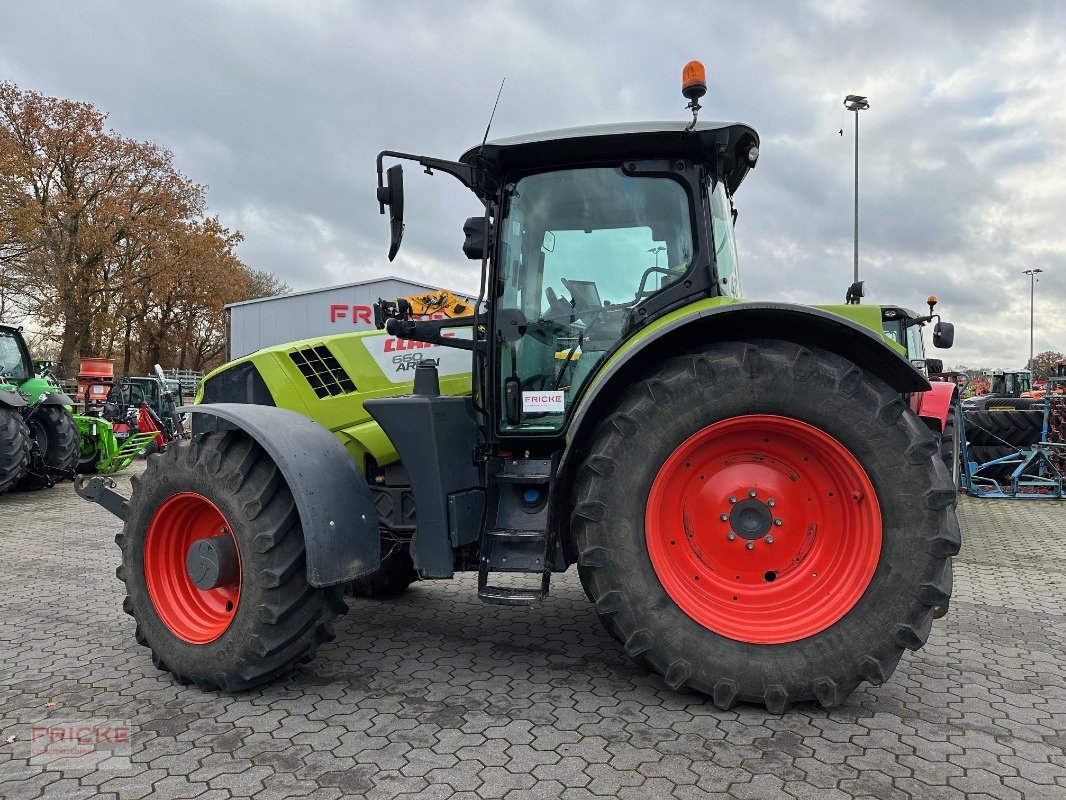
{"x":56,"y":399}
{"x":933,"y":406}
{"x":340,"y":525}
{"x":804,"y":325}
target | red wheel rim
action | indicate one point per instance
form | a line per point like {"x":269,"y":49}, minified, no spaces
{"x":192,"y":614}
{"x":799,"y":541}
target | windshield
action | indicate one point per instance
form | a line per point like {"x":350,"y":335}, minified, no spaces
{"x":11,"y":362}
{"x":578,"y":250}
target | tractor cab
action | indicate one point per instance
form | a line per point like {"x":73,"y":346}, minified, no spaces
{"x":1011,"y":384}
{"x":589,"y":253}
{"x":590,"y":236}
{"x":15,"y":364}
{"x":906,"y":329}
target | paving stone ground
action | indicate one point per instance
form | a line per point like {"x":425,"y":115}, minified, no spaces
{"x":439,"y":696}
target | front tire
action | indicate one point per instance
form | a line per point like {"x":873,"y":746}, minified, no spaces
{"x":856,"y":565}
{"x":260,"y":621}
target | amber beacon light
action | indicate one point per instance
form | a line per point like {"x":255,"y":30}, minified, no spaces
{"x":694,"y":80}
{"x":693,"y":87}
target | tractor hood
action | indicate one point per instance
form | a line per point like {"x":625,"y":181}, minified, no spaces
{"x":731,"y":141}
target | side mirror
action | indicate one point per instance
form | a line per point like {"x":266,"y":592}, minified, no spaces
{"x":943,"y":335}
{"x":391,"y":195}
{"x":855,"y":293}
{"x":477,"y":234}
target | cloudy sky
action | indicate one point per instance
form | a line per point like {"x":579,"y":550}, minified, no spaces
{"x":280,"y":107}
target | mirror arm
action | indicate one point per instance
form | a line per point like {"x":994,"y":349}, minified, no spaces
{"x":431,"y":332}
{"x":463,"y":172}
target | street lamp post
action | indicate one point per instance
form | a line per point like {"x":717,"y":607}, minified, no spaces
{"x":1032,"y":273}
{"x":856,"y":103}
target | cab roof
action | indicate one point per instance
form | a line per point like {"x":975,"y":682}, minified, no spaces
{"x":664,"y":139}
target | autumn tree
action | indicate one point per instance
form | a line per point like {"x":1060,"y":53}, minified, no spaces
{"x":1044,"y":364}
{"x":105,"y":241}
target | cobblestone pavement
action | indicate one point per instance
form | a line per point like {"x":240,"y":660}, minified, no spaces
{"x":437,"y":695}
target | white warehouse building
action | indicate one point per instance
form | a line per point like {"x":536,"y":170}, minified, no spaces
{"x":267,"y":321}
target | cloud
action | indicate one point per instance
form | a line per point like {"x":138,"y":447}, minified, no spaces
{"x":280,"y":108}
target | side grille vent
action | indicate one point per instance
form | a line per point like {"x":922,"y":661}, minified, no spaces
{"x":322,"y":370}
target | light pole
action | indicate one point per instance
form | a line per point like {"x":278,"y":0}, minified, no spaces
{"x":856,"y":103}
{"x":1032,"y":273}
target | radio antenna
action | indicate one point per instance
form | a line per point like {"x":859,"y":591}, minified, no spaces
{"x":485,"y":138}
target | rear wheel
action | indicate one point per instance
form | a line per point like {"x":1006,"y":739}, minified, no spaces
{"x":746,"y":524}
{"x":14,"y":447}
{"x":53,"y":429}
{"x":214,"y":565}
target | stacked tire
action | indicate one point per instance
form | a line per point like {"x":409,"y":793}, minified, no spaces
{"x":1002,"y":432}
{"x":1018,"y":427}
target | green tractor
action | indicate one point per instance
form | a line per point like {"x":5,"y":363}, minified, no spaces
{"x":138,"y":417}
{"x":38,"y":436}
{"x":751,"y":492}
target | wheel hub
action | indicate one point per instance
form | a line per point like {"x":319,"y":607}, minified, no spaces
{"x":213,"y":562}
{"x":751,"y":519}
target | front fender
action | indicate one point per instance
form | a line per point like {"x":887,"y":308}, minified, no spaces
{"x":13,"y":399}
{"x":340,"y":523}
{"x":933,"y":406}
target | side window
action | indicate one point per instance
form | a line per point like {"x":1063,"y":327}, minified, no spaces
{"x":725,"y":248}
{"x":915,"y":343}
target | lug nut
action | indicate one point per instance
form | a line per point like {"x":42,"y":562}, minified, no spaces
{"x":731,"y":536}
{"x":778,"y":522}
{"x":751,"y":493}
{"x":750,"y":545}
{"x":724,"y":518}
{"x":732,"y":499}
{"x":769,"y":539}
{"x":771,"y":502}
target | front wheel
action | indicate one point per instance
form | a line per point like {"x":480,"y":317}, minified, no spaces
{"x":214,"y":565}
{"x":765,"y":523}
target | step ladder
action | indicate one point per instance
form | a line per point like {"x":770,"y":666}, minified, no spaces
{"x":529,"y":550}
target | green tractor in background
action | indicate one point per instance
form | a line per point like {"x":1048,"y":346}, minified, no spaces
{"x":752,"y":492}
{"x":139,"y":416}
{"x":39,"y":439}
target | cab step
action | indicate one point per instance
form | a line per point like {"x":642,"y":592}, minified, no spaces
{"x":516,"y":552}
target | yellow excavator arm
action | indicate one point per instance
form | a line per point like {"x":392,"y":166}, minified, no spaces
{"x":433,"y":304}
